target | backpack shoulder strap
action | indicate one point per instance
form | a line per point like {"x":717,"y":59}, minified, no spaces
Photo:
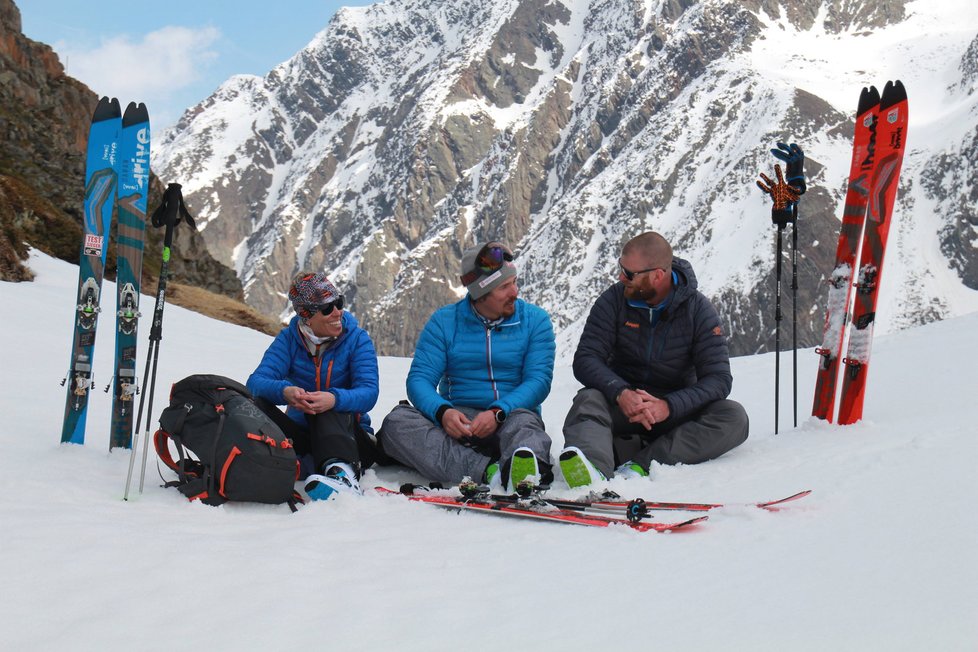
{"x":186,"y":469}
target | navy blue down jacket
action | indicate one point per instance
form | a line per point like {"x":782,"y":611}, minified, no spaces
{"x":682,"y":358}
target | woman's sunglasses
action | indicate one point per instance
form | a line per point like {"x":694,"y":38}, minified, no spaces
{"x":327,"y":308}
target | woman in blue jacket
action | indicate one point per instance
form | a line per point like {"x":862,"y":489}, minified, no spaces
{"x":324,"y":367}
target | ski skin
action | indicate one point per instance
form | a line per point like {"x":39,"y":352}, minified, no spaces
{"x":100,"y":192}
{"x":892,"y":138}
{"x":540,"y":511}
{"x":131,"y":225}
{"x":853,"y":220}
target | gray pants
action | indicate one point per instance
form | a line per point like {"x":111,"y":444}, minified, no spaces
{"x":413,"y":440}
{"x":603,"y":432}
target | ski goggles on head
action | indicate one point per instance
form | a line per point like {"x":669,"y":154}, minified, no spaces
{"x":325,"y":308}
{"x":489,"y":259}
{"x":629,"y":274}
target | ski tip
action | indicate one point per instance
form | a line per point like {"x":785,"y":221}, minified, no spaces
{"x":775,"y":504}
{"x":107,"y":109}
{"x":135,"y":114}
{"x":893,"y":94}
{"x":868,"y":99}
{"x":684,"y":524}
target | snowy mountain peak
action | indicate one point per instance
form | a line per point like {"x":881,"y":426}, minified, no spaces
{"x":407,"y":130}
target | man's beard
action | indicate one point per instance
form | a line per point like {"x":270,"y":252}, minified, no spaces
{"x":647,"y":295}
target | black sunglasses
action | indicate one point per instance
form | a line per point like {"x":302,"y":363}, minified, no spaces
{"x":630,"y":275}
{"x":489,"y":259}
{"x":327,"y":308}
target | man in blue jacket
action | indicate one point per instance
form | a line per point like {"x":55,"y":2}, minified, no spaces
{"x":481,"y":370}
{"x":324,"y":367}
{"x":654,"y":363}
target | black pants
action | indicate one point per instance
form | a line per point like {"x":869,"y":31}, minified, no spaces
{"x":328,"y":436}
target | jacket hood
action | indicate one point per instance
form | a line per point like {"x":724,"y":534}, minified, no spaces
{"x":687,"y":283}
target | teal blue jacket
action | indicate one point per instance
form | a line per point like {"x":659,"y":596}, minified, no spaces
{"x":460,"y":360}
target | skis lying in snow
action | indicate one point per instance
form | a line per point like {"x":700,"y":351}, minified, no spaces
{"x":612,"y":501}
{"x":534,"y":507}
{"x":600,"y":510}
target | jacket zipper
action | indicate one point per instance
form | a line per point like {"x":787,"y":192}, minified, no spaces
{"x":492,"y":379}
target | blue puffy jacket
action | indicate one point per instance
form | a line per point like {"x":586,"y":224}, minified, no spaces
{"x":508,"y":366}
{"x":348,"y":369}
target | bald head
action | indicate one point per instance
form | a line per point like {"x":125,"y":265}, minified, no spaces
{"x":652,"y":248}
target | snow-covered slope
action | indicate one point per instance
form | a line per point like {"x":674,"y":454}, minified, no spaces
{"x":408,"y":129}
{"x":880,"y":557}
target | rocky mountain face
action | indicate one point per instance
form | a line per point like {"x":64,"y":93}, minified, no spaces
{"x":43,"y":129}
{"x":410,"y":129}
{"x":44,"y":120}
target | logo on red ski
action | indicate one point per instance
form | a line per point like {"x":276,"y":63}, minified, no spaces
{"x":93,"y":245}
{"x":867,"y":163}
{"x":893,"y":116}
{"x":896,"y":138}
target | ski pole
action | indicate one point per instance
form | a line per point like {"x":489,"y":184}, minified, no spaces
{"x":139,"y":419}
{"x":168,"y":214}
{"x":794,"y":311}
{"x":794,"y":159}
{"x":777,"y":327}
{"x":785,"y":197}
{"x":149,"y":417}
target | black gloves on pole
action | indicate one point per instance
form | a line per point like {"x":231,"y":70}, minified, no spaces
{"x":785,"y":198}
{"x":794,"y":160}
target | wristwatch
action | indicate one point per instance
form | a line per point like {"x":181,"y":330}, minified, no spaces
{"x":500,"y":414}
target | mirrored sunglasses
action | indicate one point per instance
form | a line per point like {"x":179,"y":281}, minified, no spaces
{"x":489,"y":259}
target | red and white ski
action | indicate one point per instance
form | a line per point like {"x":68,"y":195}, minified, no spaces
{"x":891,"y":137}
{"x":853,"y":218}
{"x":534,"y":508}
{"x":654,"y":505}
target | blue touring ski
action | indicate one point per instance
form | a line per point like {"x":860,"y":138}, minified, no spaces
{"x":130,"y":229}
{"x":100,"y":190}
